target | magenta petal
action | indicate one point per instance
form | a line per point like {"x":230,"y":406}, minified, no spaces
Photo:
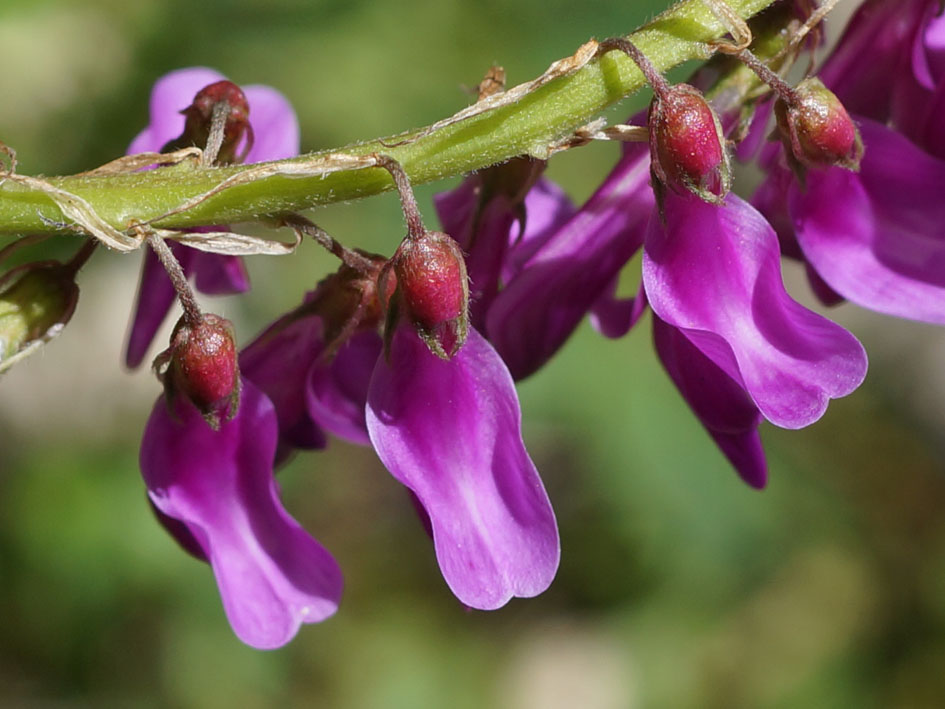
{"x":871,"y":55}
{"x":278,"y":362}
{"x":486,"y":254}
{"x":457,"y":209}
{"x":928,"y":49}
{"x":172,"y":93}
{"x":719,"y":402}
{"x":714,"y":272}
{"x":877,"y":236}
{"x":492,"y":237}
{"x":337,"y":392}
{"x":547,"y":208}
{"x":216,"y":274}
{"x":272,"y":575}
{"x":545,"y":302}
{"x":275,"y":125}
{"x":614,"y":317}
{"x":451,"y":432}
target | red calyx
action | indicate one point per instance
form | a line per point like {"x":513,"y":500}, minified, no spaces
{"x":202,"y":365}
{"x":816,"y":128}
{"x":686,"y":144}
{"x":199,"y":115}
{"x":432,"y":290}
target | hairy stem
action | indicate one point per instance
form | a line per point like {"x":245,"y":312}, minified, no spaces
{"x":537,"y":120}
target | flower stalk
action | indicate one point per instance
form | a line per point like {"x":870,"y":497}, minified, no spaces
{"x":537,"y":118}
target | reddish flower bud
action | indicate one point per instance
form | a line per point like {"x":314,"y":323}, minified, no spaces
{"x":687,"y":147}
{"x":432,"y":290}
{"x":199,"y":117}
{"x":201,"y":364}
{"x":817,"y":130}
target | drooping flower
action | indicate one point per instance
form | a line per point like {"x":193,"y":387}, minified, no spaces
{"x":217,"y":488}
{"x":570,"y":264}
{"x":447,"y":428}
{"x":718,"y":401}
{"x":725,"y":328}
{"x":315,"y":362}
{"x":874,"y":237}
{"x":450,"y":431}
{"x":714,"y":273}
{"x":275,"y":135}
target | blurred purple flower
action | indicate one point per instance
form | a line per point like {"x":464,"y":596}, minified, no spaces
{"x":215,"y":490}
{"x":558,"y":261}
{"x":276,"y":136}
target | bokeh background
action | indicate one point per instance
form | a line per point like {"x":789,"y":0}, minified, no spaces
{"x":678,"y":587}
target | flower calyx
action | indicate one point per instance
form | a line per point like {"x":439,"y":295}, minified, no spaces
{"x":687,"y":146}
{"x":426,"y":282}
{"x":201,"y":365}
{"x":816,"y":129}
{"x":217,"y":121}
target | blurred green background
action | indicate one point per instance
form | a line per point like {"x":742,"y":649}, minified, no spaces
{"x":679,"y":586}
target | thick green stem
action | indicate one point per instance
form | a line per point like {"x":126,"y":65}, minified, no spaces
{"x":525,"y":127}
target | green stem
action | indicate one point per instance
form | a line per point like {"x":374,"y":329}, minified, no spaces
{"x":526,"y":127}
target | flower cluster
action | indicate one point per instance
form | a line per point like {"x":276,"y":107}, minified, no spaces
{"x":417,"y":354}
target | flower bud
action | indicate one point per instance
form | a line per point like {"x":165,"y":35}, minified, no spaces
{"x":817,"y":130}
{"x":687,"y":147}
{"x":199,"y":115}
{"x":201,"y":364}
{"x":432,"y":290}
{"x":36,"y":302}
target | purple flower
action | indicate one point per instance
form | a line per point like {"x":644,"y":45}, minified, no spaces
{"x":875,"y":236}
{"x":314,"y":390}
{"x":564,"y":262}
{"x":315,"y":363}
{"x":735,"y":344}
{"x":217,"y":491}
{"x":450,"y":431}
{"x":276,"y":136}
{"x":719,"y":401}
{"x":714,"y":273}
